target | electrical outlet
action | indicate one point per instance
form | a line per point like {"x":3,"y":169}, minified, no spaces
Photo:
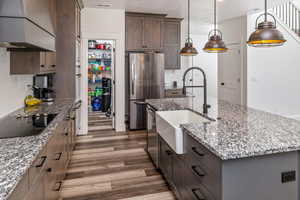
{"x":288,"y":176}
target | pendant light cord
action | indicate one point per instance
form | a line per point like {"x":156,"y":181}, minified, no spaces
{"x":266,"y":11}
{"x":189,"y":31}
{"x":215,"y":16}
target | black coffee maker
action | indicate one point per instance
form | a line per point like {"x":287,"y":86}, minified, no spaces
{"x":43,"y":87}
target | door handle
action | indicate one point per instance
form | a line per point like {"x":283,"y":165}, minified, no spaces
{"x":222,"y":84}
{"x":43,"y":159}
{"x":59,"y":156}
{"x":169,"y":153}
{"x":200,"y":174}
{"x":59,"y":186}
{"x":132,"y":67}
{"x":197,"y":194}
{"x":140,"y":103}
{"x":194,"y":149}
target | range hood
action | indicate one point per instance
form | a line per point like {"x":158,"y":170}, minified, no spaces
{"x":27,"y":25}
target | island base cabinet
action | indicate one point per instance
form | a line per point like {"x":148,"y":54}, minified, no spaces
{"x":166,"y":160}
{"x":38,"y":191}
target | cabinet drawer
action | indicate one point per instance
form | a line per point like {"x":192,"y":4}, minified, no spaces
{"x":197,"y":154}
{"x":37,"y":191}
{"x":37,"y":168}
{"x":203,"y":166}
{"x":174,"y":92}
{"x":199,"y":176}
{"x":21,"y":189}
{"x":196,"y":192}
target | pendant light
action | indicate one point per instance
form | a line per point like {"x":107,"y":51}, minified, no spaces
{"x":215,"y":42}
{"x":189,"y":49}
{"x":266,"y":34}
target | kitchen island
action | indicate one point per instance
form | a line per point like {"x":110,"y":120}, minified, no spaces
{"x":243,"y":154}
{"x":18,"y":154}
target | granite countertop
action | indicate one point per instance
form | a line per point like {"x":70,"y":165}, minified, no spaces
{"x":18,"y":154}
{"x":238,"y":132}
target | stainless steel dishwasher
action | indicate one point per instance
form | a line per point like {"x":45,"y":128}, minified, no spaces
{"x":152,"y":136}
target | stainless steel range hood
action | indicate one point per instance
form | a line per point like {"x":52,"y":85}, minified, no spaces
{"x":27,"y":25}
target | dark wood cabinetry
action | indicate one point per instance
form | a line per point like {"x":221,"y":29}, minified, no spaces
{"x":43,"y":180}
{"x":32,"y":62}
{"x":195,"y":175}
{"x":166,"y":160}
{"x":144,"y":31}
{"x":155,"y":32}
{"x":172,"y":43}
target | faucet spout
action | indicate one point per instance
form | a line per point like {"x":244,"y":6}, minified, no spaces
{"x":204,"y":86}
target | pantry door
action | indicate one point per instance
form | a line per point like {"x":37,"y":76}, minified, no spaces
{"x":230,"y":75}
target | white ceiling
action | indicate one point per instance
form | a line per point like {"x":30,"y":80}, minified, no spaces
{"x":201,"y":10}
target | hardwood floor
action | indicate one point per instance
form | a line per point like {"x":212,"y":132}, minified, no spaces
{"x":106,"y":165}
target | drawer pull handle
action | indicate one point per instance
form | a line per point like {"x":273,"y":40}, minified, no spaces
{"x":197,"y":194}
{"x":59,"y":186}
{"x":168,"y":152}
{"x":201,"y":174}
{"x":59,"y":156}
{"x":43,"y":159}
{"x":197,"y":152}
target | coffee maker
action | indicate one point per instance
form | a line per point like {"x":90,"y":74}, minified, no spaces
{"x":43,"y":87}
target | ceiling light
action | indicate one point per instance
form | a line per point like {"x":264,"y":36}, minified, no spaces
{"x":189,"y":49}
{"x":266,"y":34}
{"x":215,"y":42}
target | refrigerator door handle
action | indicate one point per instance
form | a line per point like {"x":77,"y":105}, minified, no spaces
{"x":132,"y":79}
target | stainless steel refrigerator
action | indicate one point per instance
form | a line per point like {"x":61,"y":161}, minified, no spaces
{"x":145,"y":81}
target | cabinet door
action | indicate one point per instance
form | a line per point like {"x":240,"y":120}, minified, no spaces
{"x":38,"y":190}
{"x":43,"y":64}
{"x":172,"y":43}
{"x":50,"y":58}
{"x":165,"y":160}
{"x":179,"y":176}
{"x":25,"y":62}
{"x":153,"y":33}
{"x":134,"y":32}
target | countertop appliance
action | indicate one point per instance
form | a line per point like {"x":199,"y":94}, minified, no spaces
{"x":152,"y":136}
{"x":21,"y":126}
{"x":26,"y":24}
{"x":43,"y":87}
{"x":146,"y":81}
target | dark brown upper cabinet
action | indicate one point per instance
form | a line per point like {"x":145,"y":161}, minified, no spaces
{"x":32,"y":62}
{"x":144,"y":31}
{"x":172,"y":43}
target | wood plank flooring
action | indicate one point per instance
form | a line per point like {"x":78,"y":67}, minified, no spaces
{"x":106,"y":165}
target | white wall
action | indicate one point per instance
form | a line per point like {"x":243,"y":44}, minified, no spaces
{"x":13,"y":88}
{"x":106,"y":24}
{"x":273,"y":76}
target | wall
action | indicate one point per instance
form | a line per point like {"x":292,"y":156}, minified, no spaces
{"x":106,"y":24}
{"x":13,"y":88}
{"x":273,"y":75}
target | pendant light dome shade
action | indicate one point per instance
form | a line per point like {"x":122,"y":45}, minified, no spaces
{"x":215,"y":43}
{"x":266,"y":34}
{"x":189,"y":49}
